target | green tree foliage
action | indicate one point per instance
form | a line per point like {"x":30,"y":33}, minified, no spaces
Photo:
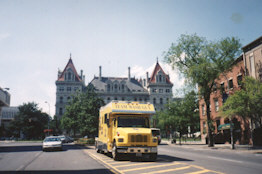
{"x":30,"y":120}
{"x":180,"y":114}
{"x":246,"y":103}
{"x":54,"y":124}
{"x":201,"y":61}
{"x":82,"y":113}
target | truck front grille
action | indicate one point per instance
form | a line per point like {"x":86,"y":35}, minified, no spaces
{"x":138,"y":138}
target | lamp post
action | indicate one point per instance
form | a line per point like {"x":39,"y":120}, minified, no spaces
{"x":48,"y":117}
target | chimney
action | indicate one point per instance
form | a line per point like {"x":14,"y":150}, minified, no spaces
{"x":100,"y":73}
{"x":147,"y":78}
{"x":129,"y":79}
{"x":81,"y":74}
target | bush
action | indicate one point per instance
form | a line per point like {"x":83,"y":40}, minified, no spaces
{"x":86,"y":141}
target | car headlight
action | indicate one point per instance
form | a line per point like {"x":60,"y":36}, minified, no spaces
{"x":120,"y":140}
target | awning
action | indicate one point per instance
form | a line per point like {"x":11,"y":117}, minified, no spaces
{"x":224,"y":126}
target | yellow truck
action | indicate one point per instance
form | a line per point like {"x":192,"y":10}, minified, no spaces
{"x":124,"y":130}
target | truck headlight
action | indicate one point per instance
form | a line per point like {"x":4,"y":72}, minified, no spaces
{"x":120,"y":140}
{"x":154,"y":140}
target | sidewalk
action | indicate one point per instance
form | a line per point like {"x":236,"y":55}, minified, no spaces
{"x":202,"y":146}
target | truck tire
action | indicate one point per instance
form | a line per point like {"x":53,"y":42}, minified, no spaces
{"x":153,"y":157}
{"x":115,"y":154}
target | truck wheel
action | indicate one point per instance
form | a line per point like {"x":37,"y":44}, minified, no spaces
{"x":153,"y":157}
{"x":115,"y":154}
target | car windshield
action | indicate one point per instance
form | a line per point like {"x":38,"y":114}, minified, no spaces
{"x":133,"y":122}
{"x":52,"y":139}
{"x":155,"y":132}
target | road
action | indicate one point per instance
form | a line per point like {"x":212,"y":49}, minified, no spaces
{"x":171,"y":159}
{"x":28,"y":157}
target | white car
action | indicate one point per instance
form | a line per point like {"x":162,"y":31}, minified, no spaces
{"x":52,"y":142}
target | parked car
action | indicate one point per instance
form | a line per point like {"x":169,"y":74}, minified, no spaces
{"x":156,"y":133}
{"x":63,"y":138}
{"x":52,"y":142}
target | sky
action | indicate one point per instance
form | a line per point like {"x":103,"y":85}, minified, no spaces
{"x":37,"y":37}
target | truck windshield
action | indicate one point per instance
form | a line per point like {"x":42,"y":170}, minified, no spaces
{"x":133,"y":122}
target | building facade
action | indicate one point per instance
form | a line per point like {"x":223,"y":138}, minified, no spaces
{"x":248,"y":64}
{"x":252,"y":55}
{"x":224,"y":86}
{"x":7,"y":114}
{"x":157,"y":89}
{"x":67,"y":84}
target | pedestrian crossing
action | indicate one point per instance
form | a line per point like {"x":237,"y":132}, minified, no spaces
{"x":161,"y":166}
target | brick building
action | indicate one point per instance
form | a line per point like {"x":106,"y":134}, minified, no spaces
{"x":225,"y":85}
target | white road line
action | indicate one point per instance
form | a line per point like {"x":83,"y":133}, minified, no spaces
{"x":224,"y":159}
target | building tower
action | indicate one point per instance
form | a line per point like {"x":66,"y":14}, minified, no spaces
{"x":159,"y":87}
{"x":67,"y":84}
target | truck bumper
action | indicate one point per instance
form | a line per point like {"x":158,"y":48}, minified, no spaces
{"x":123,"y":149}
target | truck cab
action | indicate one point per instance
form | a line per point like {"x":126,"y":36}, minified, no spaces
{"x":124,"y":130}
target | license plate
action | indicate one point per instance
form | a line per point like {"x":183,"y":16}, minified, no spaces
{"x":139,"y":154}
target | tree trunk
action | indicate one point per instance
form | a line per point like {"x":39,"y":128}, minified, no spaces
{"x":209,"y":124}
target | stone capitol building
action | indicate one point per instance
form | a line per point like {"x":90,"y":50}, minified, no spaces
{"x":156,"y":89}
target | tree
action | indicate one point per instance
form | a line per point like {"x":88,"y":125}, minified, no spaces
{"x":201,"y":62}
{"x":246,"y":103}
{"x":30,"y":120}
{"x":179,"y":115}
{"x":82,"y":113}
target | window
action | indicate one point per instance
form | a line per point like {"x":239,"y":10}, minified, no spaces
{"x":252,"y":66}
{"x":75,"y":88}
{"x":160,"y":90}
{"x":105,"y":119}
{"x":140,"y":99}
{"x":135,"y":99}
{"x":203,"y":110}
{"x":108,"y":99}
{"x":123,"y":88}
{"x":222,"y":86}
{"x":154,"y":101}
{"x":61,"y":89}
{"x":239,"y":80}
{"x":60,"y":111}
{"x":61,"y":99}
{"x":123,"y":98}
{"x":115,"y":87}
{"x":161,"y":101}
{"x":167,"y":90}
{"x":167,"y":100}
{"x":115,"y":98}
{"x":108,"y":87}
{"x":230,"y":83}
{"x":160,"y":78}
{"x":69,"y":76}
{"x":68,"y":88}
{"x":154,"y":90}
{"x":68,"y":99}
{"x":216,"y":105}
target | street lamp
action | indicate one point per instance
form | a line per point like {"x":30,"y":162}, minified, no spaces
{"x":48,"y":117}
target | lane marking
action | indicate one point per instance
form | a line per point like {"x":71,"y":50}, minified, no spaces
{"x":22,"y":167}
{"x":202,"y":168}
{"x":201,"y":171}
{"x":224,"y":159}
{"x":118,"y":162}
{"x":169,"y":170}
{"x":114,"y":170}
{"x":133,"y":164}
{"x":150,"y":167}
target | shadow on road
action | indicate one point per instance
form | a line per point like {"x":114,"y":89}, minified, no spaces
{"x":31,"y":148}
{"x":96,"y":171}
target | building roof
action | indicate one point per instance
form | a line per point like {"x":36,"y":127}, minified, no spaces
{"x":132,"y":85}
{"x":70,"y":64}
{"x":156,"y":70}
{"x":252,"y":44}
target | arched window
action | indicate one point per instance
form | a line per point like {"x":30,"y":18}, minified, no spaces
{"x":115,"y":87}
{"x":160,"y":78}
{"x":115,"y":98}
{"x":69,"y":76}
